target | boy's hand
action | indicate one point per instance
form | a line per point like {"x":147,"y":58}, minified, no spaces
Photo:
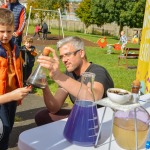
{"x":24,"y":64}
{"x":20,"y":93}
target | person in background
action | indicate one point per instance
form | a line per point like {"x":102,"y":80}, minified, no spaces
{"x":44,"y":29}
{"x":72,"y":53}
{"x":123,"y":40}
{"x":37,"y":31}
{"x":10,"y":75}
{"x":20,"y":18}
{"x":135,"y":34}
{"x":28,"y":54}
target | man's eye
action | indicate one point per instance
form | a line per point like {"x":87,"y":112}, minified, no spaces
{"x":68,"y":54}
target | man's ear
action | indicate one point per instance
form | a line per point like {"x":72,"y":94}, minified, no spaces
{"x":82,"y":53}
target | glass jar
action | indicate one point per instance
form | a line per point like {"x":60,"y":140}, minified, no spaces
{"x":38,"y":76}
{"x":131,"y":123}
{"x":124,"y":128}
{"x":82,"y":125}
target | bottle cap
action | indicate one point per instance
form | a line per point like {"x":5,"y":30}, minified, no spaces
{"x":136,"y":85}
{"x":46,"y":51}
{"x":147,"y":146}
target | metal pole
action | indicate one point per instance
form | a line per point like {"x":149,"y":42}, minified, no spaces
{"x":28,"y":20}
{"x":111,"y":130}
{"x":61,"y":22}
{"x":100,"y":127}
{"x":136,"y":130}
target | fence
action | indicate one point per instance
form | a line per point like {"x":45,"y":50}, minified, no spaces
{"x":107,"y":29}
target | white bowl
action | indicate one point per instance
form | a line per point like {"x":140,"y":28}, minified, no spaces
{"x":118,"y":95}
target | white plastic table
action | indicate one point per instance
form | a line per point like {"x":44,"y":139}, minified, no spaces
{"x":50,"y":136}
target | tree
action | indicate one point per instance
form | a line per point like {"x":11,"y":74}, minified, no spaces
{"x":99,"y":12}
{"x":45,"y":5}
{"x":84,"y":13}
{"x":123,"y":12}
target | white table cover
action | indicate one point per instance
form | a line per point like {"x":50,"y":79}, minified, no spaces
{"x":50,"y":136}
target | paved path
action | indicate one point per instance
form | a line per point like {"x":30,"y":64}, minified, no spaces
{"x":31,"y":104}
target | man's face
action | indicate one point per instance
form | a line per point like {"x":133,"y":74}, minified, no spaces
{"x":70,"y":57}
{"x":6,"y":32}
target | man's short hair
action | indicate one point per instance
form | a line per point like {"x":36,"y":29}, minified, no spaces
{"x":76,"y":42}
{"x":6,"y":17}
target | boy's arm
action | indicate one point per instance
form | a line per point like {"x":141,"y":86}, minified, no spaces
{"x":33,"y":51}
{"x":22,"y":23}
{"x":126,"y":39}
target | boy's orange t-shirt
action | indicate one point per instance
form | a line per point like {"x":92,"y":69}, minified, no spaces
{"x":11,"y":78}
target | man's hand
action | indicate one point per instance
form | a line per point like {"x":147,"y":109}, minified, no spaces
{"x":51,"y":63}
{"x":15,"y":34}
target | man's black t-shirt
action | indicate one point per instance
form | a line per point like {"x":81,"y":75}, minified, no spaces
{"x":101,"y":76}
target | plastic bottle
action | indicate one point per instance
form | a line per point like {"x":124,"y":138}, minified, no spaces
{"x":147,"y":145}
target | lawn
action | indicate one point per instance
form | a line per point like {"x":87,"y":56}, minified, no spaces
{"x":121,"y":76}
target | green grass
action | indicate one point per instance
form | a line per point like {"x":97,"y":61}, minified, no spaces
{"x":121,"y":76}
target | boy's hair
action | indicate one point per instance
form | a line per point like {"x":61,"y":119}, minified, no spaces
{"x":6,"y":17}
{"x":27,"y":38}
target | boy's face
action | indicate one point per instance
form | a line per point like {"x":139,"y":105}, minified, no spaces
{"x":28,"y":44}
{"x":122,"y":33}
{"x":6,"y":32}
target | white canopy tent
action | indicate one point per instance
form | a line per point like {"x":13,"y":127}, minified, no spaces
{"x":58,"y":12}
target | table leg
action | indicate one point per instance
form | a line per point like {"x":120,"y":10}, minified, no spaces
{"x":111,"y":129}
{"x":99,"y":131}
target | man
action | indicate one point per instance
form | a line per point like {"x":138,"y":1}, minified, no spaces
{"x":20,"y":18}
{"x":73,"y":56}
{"x":44,"y":30}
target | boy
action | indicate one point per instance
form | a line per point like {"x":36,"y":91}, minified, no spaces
{"x":37,"y":31}
{"x":28,"y":55}
{"x":123,"y":40}
{"x":19,"y":12}
{"x":10,"y":75}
